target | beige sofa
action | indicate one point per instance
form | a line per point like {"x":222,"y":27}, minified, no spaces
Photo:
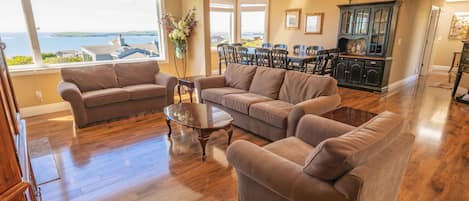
{"x":326,"y":161}
{"x":103,"y":92}
{"x":267,"y":101}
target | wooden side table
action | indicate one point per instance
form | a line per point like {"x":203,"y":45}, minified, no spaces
{"x":350,"y":116}
{"x":189,"y":84}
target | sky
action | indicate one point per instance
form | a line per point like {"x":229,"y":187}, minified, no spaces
{"x":101,"y":16}
{"x":81,"y":15}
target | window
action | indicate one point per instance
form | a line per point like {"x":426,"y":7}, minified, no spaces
{"x":18,"y":51}
{"x":253,"y":24}
{"x":76,"y":31}
{"x":221,"y":23}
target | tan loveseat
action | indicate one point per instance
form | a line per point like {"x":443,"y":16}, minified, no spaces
{"x":326,"y":161}
{"x":103,"y":92}
{"x":267,"y":101}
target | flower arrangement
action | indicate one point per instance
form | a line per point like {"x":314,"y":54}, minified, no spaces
{"x":179,"y":30}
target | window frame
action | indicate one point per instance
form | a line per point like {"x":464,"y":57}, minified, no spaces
{"x":36,"y":48}
{"x":230,"y":10}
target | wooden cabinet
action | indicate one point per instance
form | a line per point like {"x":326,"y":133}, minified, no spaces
{"x":16,"y":177}
{"x":365,"y":39}
{"x":364,"y":73}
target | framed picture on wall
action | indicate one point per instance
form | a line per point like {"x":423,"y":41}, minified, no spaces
{"x":459,"y":28}
{"x":292,"y":18}
{"x":314,"y":23}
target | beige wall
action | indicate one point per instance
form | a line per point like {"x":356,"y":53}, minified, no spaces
{"x":444,"y":47}
{"x":410,"y":33}
{"x":199,"y":43}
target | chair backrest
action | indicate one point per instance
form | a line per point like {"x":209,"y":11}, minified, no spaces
{"x":313,"y":50}
{"x":263,"y":57}
{"x":333,"y":58}
{"x":299,"y":49}
{"x":221,"y":51}
{"x":230,"y":54}
{"x":242,"y":55}
{"x":280,"y":58}
{"x":321,"y":62}
{"x":280,"y":46}
{"x":266,"y":45}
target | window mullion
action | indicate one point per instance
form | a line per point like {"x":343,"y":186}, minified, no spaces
{"x":32,"y":32}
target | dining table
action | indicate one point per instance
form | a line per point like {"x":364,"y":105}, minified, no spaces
{"x":301,"y":58}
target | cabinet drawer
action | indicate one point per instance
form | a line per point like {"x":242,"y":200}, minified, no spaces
{"x":374,"y":63}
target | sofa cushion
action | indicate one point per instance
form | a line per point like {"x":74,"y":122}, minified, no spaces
{"x":136,"y":73}
{"x":274,"y":112}
{"x":105,"y":96}
{"x":298,"y":87}
{"x":267,"y":82}
{"x":291,"y":148}
{"x":241,"y":102}
{"x":91,"y":78}
{"x":143,"y":91}
{"x":216,"y":94}
{"x":335,"y":156}
{"x":239,"y":76}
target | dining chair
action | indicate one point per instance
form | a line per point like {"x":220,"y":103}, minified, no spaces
{"x":263,"y":57}
{"x":280,"y":46}
{"x":319,"y":64}
{"x":280,"y":58}
{"x":333,"y":59}
{"x":242,"y":56}
{"x":299,"y":49}
{"x":312,"y":50}
{"x":267,"y":45}
{"x":230,"y":54}
{"x":221,"y":56}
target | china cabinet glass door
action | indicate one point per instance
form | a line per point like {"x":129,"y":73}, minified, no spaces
{"x":346,"y":21}
{"x":362,"y":19}
{"x":379,"y":29}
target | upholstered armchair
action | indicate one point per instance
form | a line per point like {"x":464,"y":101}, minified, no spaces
{"x":326,"y":161}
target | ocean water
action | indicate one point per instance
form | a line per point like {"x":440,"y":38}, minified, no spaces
{"x":19,"y":44}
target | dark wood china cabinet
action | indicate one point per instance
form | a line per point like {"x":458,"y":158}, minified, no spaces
{"x":365,"y":39}
{"x":17,"y":182}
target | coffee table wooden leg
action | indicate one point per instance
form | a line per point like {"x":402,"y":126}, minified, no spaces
{"x":203,"y":139}
{"x":168,"y":122}
{"x":179,"y":93}
{"x":230,"y":134}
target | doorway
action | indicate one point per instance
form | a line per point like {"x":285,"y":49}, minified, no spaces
{"x":430,"y":39}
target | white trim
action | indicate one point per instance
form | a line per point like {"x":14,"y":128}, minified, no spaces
{"x":401,"y":83}
{"x":439,"y":67}
{"x":44,"y":109}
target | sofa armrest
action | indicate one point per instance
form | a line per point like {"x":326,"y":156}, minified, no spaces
{"x":70,"y":93}
{"x":314,"y":129}
{"x":170,"y":82}
{"x":278,"y":174}
{"x":317,"y":106}
{"x":208,"y":82}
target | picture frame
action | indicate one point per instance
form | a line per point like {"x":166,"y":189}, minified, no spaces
{"x":459,"y":28}
{"x":292,"y":18}
{"x":314,"y":23}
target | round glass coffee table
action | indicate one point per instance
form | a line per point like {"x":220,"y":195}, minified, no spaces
{"x":206,"y":119}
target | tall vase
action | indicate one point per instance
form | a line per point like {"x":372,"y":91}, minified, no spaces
{"x":180,"y":49}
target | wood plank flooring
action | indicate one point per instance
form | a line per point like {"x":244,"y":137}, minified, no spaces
{"x":133,"y":159}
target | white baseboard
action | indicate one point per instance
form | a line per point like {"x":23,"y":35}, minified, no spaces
{"x":44,"y":109}
{"x":439,"y":67}
{"x":401,"y":83}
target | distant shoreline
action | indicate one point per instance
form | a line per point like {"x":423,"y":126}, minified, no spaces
{"x":94,"y":34}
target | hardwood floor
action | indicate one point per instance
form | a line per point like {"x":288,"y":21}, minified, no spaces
{"x":133,"y":159}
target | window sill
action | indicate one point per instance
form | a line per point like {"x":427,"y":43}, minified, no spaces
{"x":55,"y":68}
